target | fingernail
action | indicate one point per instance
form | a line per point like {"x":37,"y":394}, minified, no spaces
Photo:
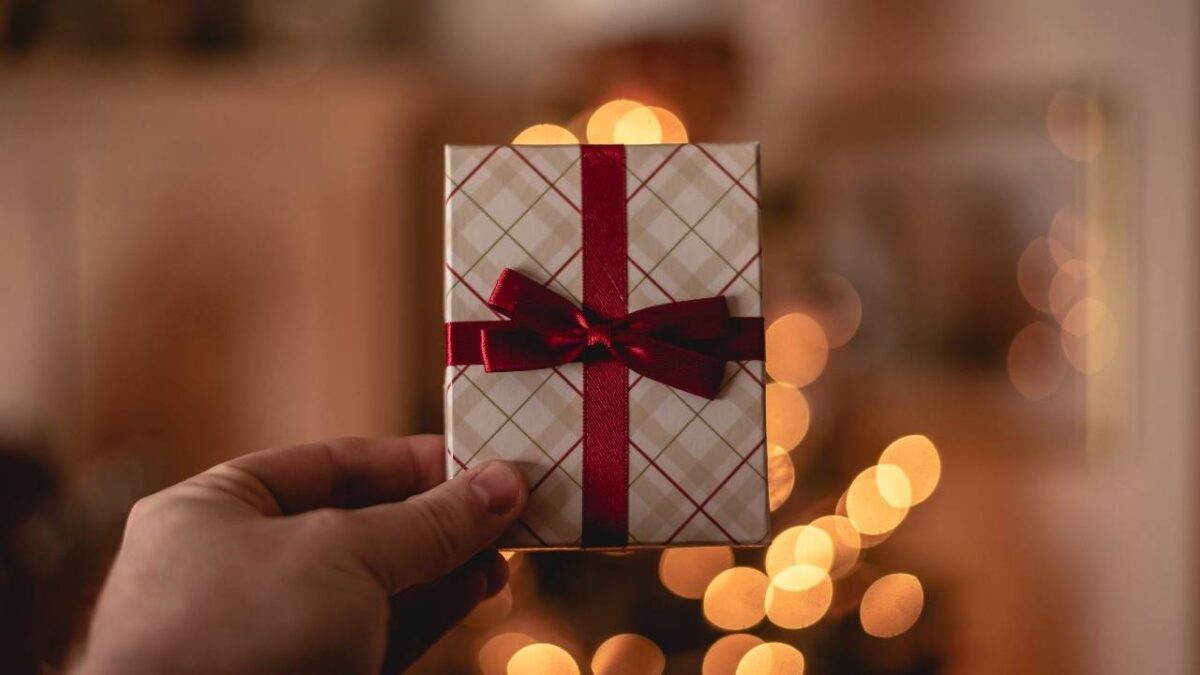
{"x":497,"y":487}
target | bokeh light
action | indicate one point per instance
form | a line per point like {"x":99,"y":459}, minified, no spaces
{"x":639,"y":126}
{"x":1084,"y":317}
{"x":736,"y":598}
{"x":1036,"y":365}
{"x":723,"y":657}
{"x":875,"y":502}
{"x":788,"y":416}
{"x":686,"y":572}
{"x":800,"y":544}
{"x":672,"y":127}
{"x":496,"y":652}
{"x":1072,"y":240}
{"x":1075,"y":125}
{"x":1035,"y":269}
{"x":918,"y":458}
{"x":772,"y":658}
{"x":602,"y":125}
{"x":545,"y":134}
{"x":628,"y":654}
{"x":846,"y":541}
{"x":781,"y":476}
{"x":541,"y":658}
{"x":836,"y":306}
{"x":892,"y":605}
{"x":797,"y":349}
{"x":799,"y":596}
{"x":1091,"y":352}
{"x":866,"y":540}
{"x":491,"y":611}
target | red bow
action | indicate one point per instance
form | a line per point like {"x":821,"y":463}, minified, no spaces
{"x":682,"y":344}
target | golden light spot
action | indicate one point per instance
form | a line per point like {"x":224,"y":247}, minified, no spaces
{"x":799,"y":596}
{"x":1035,"y":363}
{"x":545,"y":134}
{"x":491,"y":611}
{"x":541,"y":658}
{"x":1090,"y":353}
{"x":673,"y":130}
{"x":800,"y":544}
{"x":788,"y":416}
{"x":846,"y":541}
{"x":1035,"y":269}
{"x":867,"y":540}
{"x":1075,"y":125}
{"x":686,"y":572}
{"x":813,"y":547}
{"x":639,"y":126}
{"x":628,"y":654}
{"x":772,"y":658}
{"x":1075,"y":245}
{"x":918,"y":458}
{"x":781,"y":476}
{"x":736,"y":598}
{"x":603,"y":123}
{"x":797,"y":349}
{"x":723,"y":656}
{"x":891,"y":605}
{"x":875,"y":500}
{"x":1084,"y":317}
{"x":781,"y":553}
{"x":836,"y":306}
{"x":495,"y":653}
{"x":1065,"y":290}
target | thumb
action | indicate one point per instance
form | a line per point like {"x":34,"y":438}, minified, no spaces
{"x":428,"y":535}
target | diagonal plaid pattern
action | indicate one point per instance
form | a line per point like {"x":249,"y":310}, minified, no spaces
{"x":697,"y":471}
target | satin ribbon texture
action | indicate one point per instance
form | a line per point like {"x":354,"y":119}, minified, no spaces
{"x":682,"y":344}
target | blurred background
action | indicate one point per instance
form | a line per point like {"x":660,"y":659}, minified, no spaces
{"x":220,"y":230}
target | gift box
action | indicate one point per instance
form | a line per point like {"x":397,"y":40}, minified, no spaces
{"x":604,"y":333}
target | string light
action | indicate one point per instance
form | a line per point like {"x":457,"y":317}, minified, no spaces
{"x":918,"y":459}
{"x":639,"y":126}
{"x":799,"y":596}
{"x":723,"y":657}
{"x":787,"y":416}
{"x":496,"y":652}
{"x":797,"y":349}
{"x":545,"y":134}
{"x":772,"y":658}
{"x":602,"y":124}
{"x":542,"y":659}
{"x":628,"y":654}
{"x":781,"y":476}
{"x":892,"y":605}
{"x":875,"y":502}
{"x":735,"y":599}
{"x":686,"y":572}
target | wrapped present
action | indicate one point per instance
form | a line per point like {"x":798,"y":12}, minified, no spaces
{"x":604,"y":333}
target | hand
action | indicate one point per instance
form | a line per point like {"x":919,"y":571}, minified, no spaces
{"x":304,"y":560}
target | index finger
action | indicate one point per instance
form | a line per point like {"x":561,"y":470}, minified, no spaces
{"x":347,"y":472}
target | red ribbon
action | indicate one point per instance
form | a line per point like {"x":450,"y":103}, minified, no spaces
{"x":682,"y":344}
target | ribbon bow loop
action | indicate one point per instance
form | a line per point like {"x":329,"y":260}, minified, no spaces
{"x":681,"y":344}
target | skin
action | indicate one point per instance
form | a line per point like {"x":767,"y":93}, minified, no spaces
{"x":351,"y":556}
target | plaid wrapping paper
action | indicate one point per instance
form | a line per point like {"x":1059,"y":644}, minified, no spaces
{"x":697,"y":468}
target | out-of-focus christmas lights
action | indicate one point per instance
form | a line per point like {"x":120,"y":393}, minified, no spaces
{"x":804,"y":563}
{"x":892,"y":605}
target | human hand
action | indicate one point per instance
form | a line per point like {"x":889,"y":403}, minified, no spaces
{"x":304,"y":560}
